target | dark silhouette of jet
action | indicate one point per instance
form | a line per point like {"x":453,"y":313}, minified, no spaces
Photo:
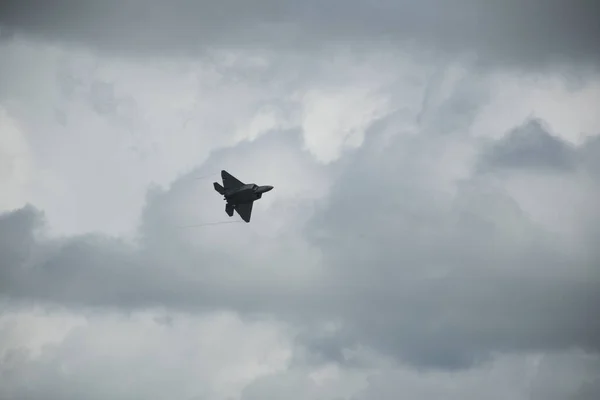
{"x":239,"y":196}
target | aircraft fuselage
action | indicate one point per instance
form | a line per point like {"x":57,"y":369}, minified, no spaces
{"x":245,"y":194}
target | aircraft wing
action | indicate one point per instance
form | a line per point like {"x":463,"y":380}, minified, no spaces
{"x":230,"y":181}
{"x":244,"y":211}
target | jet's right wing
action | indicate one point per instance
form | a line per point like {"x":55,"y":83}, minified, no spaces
{"x":229,"y":181}
{"x":244,"y":211}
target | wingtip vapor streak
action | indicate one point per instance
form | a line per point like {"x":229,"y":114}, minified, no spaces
{"x":239,"y":196}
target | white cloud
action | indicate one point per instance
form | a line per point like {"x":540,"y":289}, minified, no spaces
{"x":154,"y":354}
{"x":16,"y":164}
{"x":568,"y":112}
{"x":335,"y":121}
{"x":125,"y":124}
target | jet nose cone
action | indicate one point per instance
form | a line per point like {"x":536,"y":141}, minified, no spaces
{"x":264,"y":189}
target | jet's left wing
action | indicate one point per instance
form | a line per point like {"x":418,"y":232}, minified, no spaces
{"x":230,"y":181}
{"x":244,"y":211}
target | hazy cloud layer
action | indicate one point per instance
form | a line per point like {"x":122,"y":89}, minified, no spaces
{"x":508,"y":32}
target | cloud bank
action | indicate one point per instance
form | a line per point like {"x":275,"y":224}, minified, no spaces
{"x":509,"y":32}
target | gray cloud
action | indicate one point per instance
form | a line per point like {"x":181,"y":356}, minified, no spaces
{"x":589,"y":155}
{"x":530,"y":379}
{"x":495,"y":280}
{"x":509,"y":32}
{"x":411,"y":268}
{"x":531,"y":146}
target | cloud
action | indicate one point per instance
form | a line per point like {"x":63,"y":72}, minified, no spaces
{"x":440,"y":233}
{"x":426,"y":283}
{"x":466,"y":247}
{"x":16,"y":165}
{"x":532,"y":377}
{"x":143,"y":107}
{"x":531,"y":146}
{"x":221,"y":355}
{"x":211,"y":356}
{"x":510,"y":32}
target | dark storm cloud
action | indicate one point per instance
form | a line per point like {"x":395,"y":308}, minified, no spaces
{"x":532,"y":32}
{"x":432,"y":279}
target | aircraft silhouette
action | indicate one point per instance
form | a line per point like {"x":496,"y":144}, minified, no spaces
{"x":239,"y":196}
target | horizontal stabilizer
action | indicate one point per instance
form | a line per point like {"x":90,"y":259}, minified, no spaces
{"x":219,"y":188}
{"x":244,"y":211}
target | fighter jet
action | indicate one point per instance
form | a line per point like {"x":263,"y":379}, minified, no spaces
{"x":239,"y":195}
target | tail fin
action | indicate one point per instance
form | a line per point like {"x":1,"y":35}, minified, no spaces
{"x":219,"y":188}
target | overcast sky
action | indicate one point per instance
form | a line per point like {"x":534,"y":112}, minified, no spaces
{"x":433,"y":232}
